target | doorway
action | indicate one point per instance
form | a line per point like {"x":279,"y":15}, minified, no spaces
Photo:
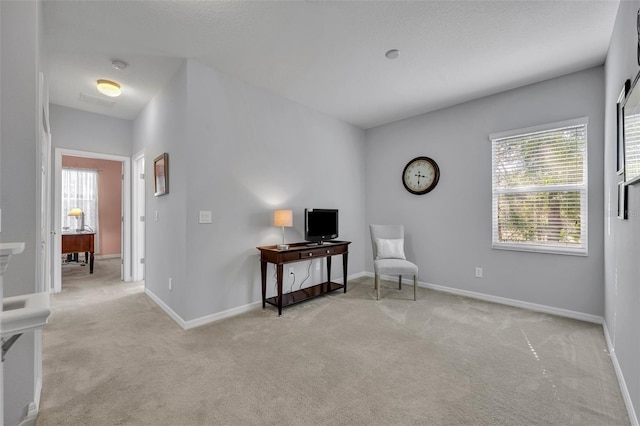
{"x":125,"y":238}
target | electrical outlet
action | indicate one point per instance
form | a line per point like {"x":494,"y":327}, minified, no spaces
{"x":205,"y":216}
{"x":291,"y":271}
{"x":478,"y":272}
{"x":170,"y":284}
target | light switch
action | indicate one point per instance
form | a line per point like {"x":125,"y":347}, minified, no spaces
{"x":205,"y":216}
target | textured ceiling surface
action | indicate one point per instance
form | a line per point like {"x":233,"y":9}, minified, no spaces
{"x":326,"y":55}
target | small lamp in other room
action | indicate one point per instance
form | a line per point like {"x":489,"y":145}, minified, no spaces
{"x":283,"y":218}
{"x":79,"y":215}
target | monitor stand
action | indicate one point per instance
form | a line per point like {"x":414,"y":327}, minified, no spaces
{"x":319,"y":243}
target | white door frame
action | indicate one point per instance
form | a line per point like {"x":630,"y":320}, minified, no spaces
{"x":138,"y":217}
{"x":126,"y":210}
{"x":44,"y":255}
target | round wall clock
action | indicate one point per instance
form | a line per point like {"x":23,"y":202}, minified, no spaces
{"x":420,"y":175}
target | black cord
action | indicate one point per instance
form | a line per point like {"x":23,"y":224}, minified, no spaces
{"x":275,"y":279}
{"x":308,"y":274}
{"x":293,"y":283}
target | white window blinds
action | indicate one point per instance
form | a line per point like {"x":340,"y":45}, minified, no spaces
{"x":540,"y":188}
{"x":632,"y":145}
{"x":79,"y":190}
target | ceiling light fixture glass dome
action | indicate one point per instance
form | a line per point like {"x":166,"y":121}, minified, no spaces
{"x":109,"y":88}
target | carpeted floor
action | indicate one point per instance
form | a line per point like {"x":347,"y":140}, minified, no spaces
{"x":112,"y":357}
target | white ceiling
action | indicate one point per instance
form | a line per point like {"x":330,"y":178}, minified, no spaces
{"x":328,"y":55}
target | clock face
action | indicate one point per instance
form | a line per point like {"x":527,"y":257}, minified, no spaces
{"x":420,"y":175}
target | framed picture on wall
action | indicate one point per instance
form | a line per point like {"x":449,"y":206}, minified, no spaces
{"x":631,"y":132}
{"x":622,"y":200}
{"x":161,"y":175}
{"x":620,"y":124}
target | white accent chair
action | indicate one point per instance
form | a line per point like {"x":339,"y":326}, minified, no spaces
{"x":387,"y":242}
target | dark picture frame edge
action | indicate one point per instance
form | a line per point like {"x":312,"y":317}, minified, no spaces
{"x":622,"y":200}
{"x":620,"y":130}
{"x":161,"y":175}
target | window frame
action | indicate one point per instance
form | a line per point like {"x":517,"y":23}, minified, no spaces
{"x":91,"y":219}
{"x":583,"y":188}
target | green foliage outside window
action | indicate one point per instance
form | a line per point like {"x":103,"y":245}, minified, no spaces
{"x":539,"y":188}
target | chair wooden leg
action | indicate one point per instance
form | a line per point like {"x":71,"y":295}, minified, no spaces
{"x":415,"y":287}
{"x":399,"y":282}
{"x":377,"y":284}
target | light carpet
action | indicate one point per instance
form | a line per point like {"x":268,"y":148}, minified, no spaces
{"x":112,"y":357}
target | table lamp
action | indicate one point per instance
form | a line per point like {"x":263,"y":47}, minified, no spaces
{"x":79,"y":215}
{"x":283,"y":218}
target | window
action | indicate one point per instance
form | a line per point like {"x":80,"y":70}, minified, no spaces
{"x":540,"y":188}
{"x":80,"y":190}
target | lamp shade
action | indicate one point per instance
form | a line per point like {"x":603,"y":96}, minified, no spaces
{"x":283,"y":218}
{"x":109,"y":88}
{"x":75,"y":212}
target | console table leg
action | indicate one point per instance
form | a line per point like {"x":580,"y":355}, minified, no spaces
{"x":328,"y":274}
{"x":91,"y":263}
{"x":263,"y":277}
{"x":280,"y":270}
{"x":345,"y":258}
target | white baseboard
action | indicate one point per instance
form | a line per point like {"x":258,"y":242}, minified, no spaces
{"x":503,"y":301}
{"x":31,"y":411}
{"x":474,"y":295}
{"x":349,"y":277}
{"x":177,"y":318}
{"x":208,"y":319}
{"x":187,"y":325}
{"x":107,"y":256}
{"x":31,"y":415}
{"x":633,"y":418}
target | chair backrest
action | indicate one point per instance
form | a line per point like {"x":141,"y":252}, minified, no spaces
{"x":384,"y":231}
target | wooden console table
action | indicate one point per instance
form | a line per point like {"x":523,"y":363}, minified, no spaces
{"x":299,"y":252}
{"x":79,"y":242}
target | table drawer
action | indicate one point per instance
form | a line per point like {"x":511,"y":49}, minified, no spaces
{"x":318,"y":252}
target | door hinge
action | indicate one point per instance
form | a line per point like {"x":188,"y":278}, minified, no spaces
{"x":142,"y":260}
{"x":141,"y":175}
{"x":141,"y":218}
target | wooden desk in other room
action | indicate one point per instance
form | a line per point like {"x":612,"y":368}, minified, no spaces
{"x":299,"y":252}
{"x":79,"y":242}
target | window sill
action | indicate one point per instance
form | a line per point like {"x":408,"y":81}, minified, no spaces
{"x":541,"y":249}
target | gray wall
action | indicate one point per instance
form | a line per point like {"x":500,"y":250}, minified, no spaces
{"x":20,"y":49}
{"x":622,"y":251}
{"x":241,"y":153}
{"x":162,"y":127}
{"x":449,"y":230}
{"x":86,"y":131}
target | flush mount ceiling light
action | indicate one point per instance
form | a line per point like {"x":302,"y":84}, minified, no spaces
{"x":109,"y":88}
{"x":392,"y":54}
